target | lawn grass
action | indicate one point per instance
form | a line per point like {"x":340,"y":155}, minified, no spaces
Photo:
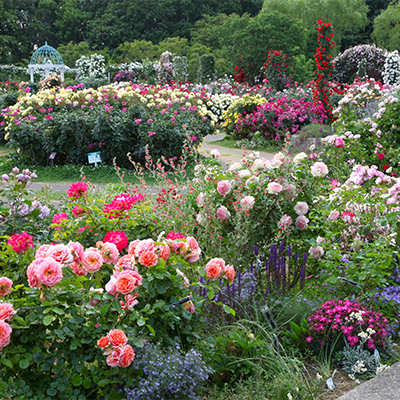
{"x":258,"y":145}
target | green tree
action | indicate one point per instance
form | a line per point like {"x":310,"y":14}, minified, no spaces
{"x":386,"y":31}
{"x":345,"y":15}
{"x":194,"y":53}
{"x":176,"y":45}
{"x":71,"y":52}
{"x":138,"y":50}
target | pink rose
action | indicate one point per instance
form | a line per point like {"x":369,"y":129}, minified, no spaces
{"x":144,"y":246}
{"x":247,"y":202}
{"x":192,"y":242}
{"x":319,"y":170}
{"x":200,"y":199}
{"x":229,"y":273}
{"x":92,"y":260}
{"x":111,"y":286}
{"x":316,"y":252}
{"x":339,"y":142}
{"x":302,"y":222}
{"x":148,"y":259}
{"x":222,"y":213}
{"x":301,"y":208}
{"x":274,"y":188}
{"x":5,"y":334}
{"x":334,"y":215}
{"x":224,"y":187}
{"x":284,"y":222}
{"x":60,"y":253}
{"x":6,"y":311}
{"x":41,"y":252}
{"x":127,"y":281}
{"x":49,"y":272}
{"x":78,"y":269}
{"x":215,"y":153}
{"x":127,"y":357}
{"x":193,"y":256}
{"x":110,"y":253}
{"x":5,"y":285}
{"x":164,"y":252}
{"x":77,"y":251}
{"x":113,"y":359}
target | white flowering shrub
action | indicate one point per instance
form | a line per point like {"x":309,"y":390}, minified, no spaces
{"x":391,"y":73}
{"x":166,"y":68}
{"x":91,"y":67}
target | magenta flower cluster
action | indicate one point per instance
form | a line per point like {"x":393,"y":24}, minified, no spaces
{"x":352,"y":320}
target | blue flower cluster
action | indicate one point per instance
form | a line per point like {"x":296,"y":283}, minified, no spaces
{"x":166,"y":374}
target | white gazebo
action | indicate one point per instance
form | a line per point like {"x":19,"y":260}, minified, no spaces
{"x":46,"y":57}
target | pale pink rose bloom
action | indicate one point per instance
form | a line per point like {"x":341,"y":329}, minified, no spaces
{"x":174,"y":245}
{"x":110,"y":253}
{"x":32,"y":274}
{"x":77,"y":251}
{"x":193,"y":256}
{"x":215,"y":153}
{"x":41,"y":252}
{"x":200,"y":200}
{"x":49,"y":272}
{"x":290,"y":189}
{"x":78,"y":269}
{"x":215,"y":267}
{"x":247,"y":202}
{"x":339,"y":142}
{"x":130,"y":302}
{"x":113,"y":359}
{"x":284,"y":222}
{"x":132,"y":247}
{"x":302,"y":222}
{"x":392,"y":200}
{"x":320,"y":240}
{"x":5,"y":334}
{"x":229,"y":273}
{"x":334,"y":215}
{"x":92,"y":260}
{"x":244,"y":173}
{"x":5,"y":285}
{"x":301,"y":208}
{"x":60,"y":253}
{"x":192,"y":242}
{"x":222,"y":213}
{"x":316,"y":252}
{"x":259,"y":164}
{"x":274,"y":188}
{"x":144,"y":246}
{"x":125,"y":263}
{"x":224,"y":187}
{"x":319,"y":170}
{"x":6,"y":311}
{"x":164,"y":252}
{"x":111,"y":286}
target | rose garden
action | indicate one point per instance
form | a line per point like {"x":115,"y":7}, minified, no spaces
{"x":190,"y":278}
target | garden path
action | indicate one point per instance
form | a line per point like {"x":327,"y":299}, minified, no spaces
{"x":385,"y":386}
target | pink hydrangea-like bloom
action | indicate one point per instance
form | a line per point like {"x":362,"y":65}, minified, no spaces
{"x":247,"y":202}
{"x":6,"y":311}
{"x":144,"y":246}
{"x":274,"y":188}
{"x":319,"y":170}
{"x":77,"y":190}
{"x":118,"y":238}
{"x":49,"y":272}
{"x":5,"y":285}
{"x":222,"y":213}
{"x":215,"y":267}
{"x":92,"y":260}
{"x":301,"y":208}
{"x":5,"y":334}
{"x":316,"y":252}
{"x":109,"y":252}
{"x":20,"y":242}
{"x":284,"y":222}
{"x":58,"y":218}
{"x":224,"y":187}
{"x":60,"y":253}
{"x":302,"y":222}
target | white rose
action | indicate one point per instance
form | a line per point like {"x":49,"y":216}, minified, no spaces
{"x":299,"y":158}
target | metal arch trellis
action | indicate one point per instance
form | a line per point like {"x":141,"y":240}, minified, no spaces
{"x":46,"y":55}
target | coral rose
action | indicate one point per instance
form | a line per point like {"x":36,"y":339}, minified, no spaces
{"x":127,"y":357}
{"x":144,"y":246}
{"x":5,"y":333}
{"x":113,"y":359}
{"x":229,"y":273}
{"x":117,"y":337}
{"x":103,"y":342}
{"x":49,"y":272}
{"x":148,"y":259}
{"x":6,"y":311}
{"x":215,"y":267}
{"x":164,"y":252}
{"x":128,"y":281}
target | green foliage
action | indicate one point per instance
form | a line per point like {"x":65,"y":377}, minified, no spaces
{"x":72,"y":52}
{"x":386,"y":27}
{"x":207,"y":71}
{"x":138,"y":50}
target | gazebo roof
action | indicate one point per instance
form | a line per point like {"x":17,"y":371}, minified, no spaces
{"x":46,"y":55}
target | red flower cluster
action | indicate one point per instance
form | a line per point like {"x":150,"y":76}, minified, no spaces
{"x":20,"y":242}
{"x":323,"y":89}
{"x":240,"y":75}
{"x":77,"y":190}
{"x":121,"y":202}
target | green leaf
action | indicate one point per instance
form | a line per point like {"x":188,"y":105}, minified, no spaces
{"x":37,"y":357}
{"x":114,"y":395}
{"x":3,"y":385}
{"x":51,"y":392}
{"x":211,"y":294}
{"x":151,"y":329}
{"x":6,"y":362}
{"x":58,"y":311}
{"x":86,"y":383}
{"x":24,"y":363}
{"x":138,"y":343}
{"x":140,"y":322}
{"x":228,"y":310}
{"x":117,"y":305}
{"x":47,"y":319}
{"x":161,"y":290}
{"x":104,"y":309}
{"x":104,"y":382}
{"x":77,"y":380}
